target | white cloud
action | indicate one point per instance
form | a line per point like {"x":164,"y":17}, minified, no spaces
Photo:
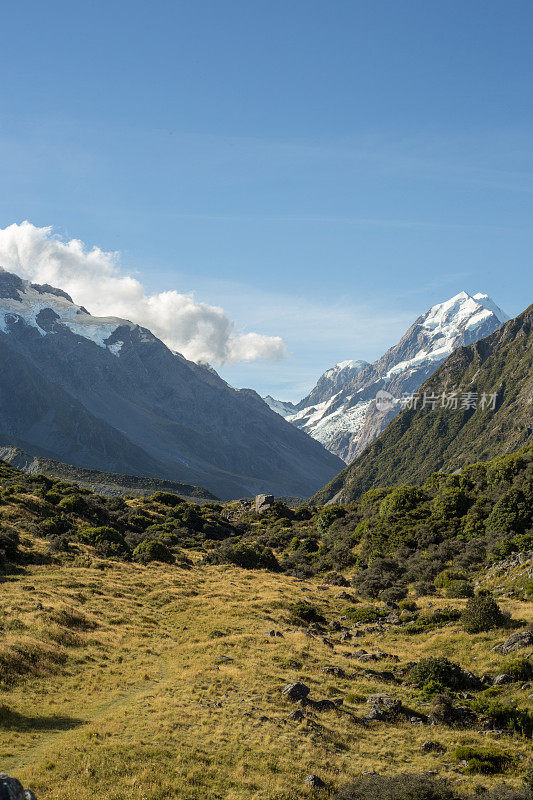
{"x":93,"y":278}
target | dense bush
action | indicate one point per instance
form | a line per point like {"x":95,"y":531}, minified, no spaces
{"x":306,"y":612}
{"x":447,"y":576}
{"x":167,"y":499}
{"x":520,"y":669}
{"x":247,"y":556}
{"x":482,"y":760}
{"x":459,"y":589}
{"x":9,"y":545}
{"x":504,"y":716}
{"x":482,"y":613}
{"x":153,"y":550}
{"x":441,"y":672}
{"x":401,"y":500}
{"x":432,"y":619}
{"x":74,"y":504}
{"x":394,"y":594}
{"x":365,"y":614}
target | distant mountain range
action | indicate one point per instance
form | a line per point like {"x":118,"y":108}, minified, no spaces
{"x":492,"y":381}
{"x":106,"y":394}
{"x":341,"y":411}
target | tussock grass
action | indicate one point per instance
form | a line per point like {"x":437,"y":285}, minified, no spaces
{"x":149,"y":704}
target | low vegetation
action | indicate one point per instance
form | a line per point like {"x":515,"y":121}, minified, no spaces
{"x":145,"y":642}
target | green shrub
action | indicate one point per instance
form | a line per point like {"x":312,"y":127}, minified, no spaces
{"x":394,"y":594}
{"x":307,"y":612}
{"x":441,"y":671}
{"x":167,"y":499}
{"x":482,"y":760}
{"x":408,"y":605}
{"x":482,"y":613}
{"x":9,"y":545}
{"x":444,"y":578}
{"x":106,"y":540}
{"x":432,"y":619}
{"x":74,"y":504}
{"x":508,"y":717}
{"x":451,"y":503}
{"x":424,"y":589}
{"x":401,"y":500}
{"x":327,"y":516}
{"x":365,"y":614}
{"x":520,"y":669}
{"x":153,"y":550}
{"x":459,"y":589}
{"x":247,"y":556}
{"x":512,"y":513}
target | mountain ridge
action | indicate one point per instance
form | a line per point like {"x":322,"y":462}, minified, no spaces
{"x":106,"y":394}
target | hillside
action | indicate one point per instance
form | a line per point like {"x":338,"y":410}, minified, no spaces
{"x":108,"y":484}
{"x":422,"y":440}
{"x":123,"y":675}
{"x":105,"y":394}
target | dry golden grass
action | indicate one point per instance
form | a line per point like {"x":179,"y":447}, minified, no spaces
{"x":130,"y":694}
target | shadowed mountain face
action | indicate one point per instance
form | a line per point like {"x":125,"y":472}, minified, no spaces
{"x":493,"y":383}
{"x":341,"y":411}
{"x":103,"y":393}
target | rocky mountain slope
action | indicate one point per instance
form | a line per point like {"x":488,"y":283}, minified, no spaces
{"x":341,"y":411}
{"x":487,"y":409}
{"x":105,"y":394}
{"x":108,"y":484}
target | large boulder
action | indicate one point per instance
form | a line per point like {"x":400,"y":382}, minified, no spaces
{"x":516,"y":641}
{"x":12,"y":789}
{"x":296,"y":691}
{"x":263,"y":502}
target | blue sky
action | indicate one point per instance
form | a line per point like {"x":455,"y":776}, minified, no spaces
{"x":324,"y":171}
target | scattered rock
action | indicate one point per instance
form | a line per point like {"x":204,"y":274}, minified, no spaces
{"x":393,"y":618}
{"x":275,"y":633}
{"x":297,"y":715}
{"x":433,"y":747}
{"x":362,"y":655}
{"x":384,"y":701}
{"x":336,"y":579}
{"x":502,"y":679}
{"x":331,"y":670}
{"x":296,"y":691}
{"x":315,"y":782}
{"x":345,"y":596}
{"x":324,"y":705}
{"x":516,"y":641}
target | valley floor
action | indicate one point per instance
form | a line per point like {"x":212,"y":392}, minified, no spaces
{"x":171,"y":687}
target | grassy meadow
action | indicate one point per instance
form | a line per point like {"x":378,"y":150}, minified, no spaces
{"x":154,"y":682}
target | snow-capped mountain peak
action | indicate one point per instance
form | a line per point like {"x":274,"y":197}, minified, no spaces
{"x":344,"y":366}
{"x":40,"y":306}
{"x":340,"y":411}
